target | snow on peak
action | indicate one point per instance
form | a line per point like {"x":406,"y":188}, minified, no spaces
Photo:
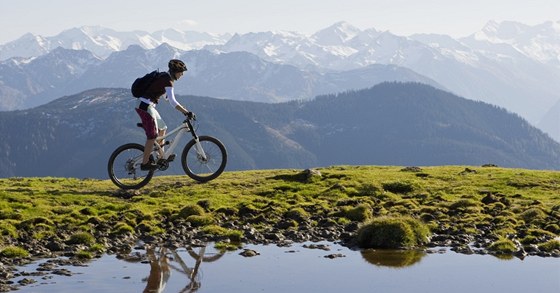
{"x":504,"y":30}
{"x":539,"y":42}
{"x":336,"y":34}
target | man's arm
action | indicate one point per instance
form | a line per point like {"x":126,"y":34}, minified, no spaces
{"x":171,"y":98}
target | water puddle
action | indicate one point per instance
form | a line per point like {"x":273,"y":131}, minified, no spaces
{"x":302,"y":267}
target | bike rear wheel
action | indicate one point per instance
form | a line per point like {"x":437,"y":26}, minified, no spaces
{"x":124,"y":167}
{"x":206,"y":168}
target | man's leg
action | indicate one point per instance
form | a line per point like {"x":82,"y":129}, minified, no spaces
{"x":161,"y":133}
{"x":150,"y":126}
{"x":148,"y":150}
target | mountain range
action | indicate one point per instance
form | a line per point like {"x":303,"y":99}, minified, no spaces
{"x":235,"y":75}
{"x":388,"y":124}
{"x":508,"y":64}
{"x":103,"y":41}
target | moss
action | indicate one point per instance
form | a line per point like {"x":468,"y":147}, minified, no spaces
{"x":97,"y":248}
{"x":198,"y":221}
{"x":191,"y":210}
{"x":540,"y":233}
{"x":550,"y":245}
{"x":9,"y":214}
{"x":553,"y":228}
{"x":145,"y":227}
{"x":504,"y":219}
{"x":398,"y":187}
{"x":233,"y":235}
{"x":81,"y":238}
{"x":297,"y":214}
{"x":463,"y":204}
{"x":532,"y":215}
{"x":7,"y":229}
{"x":31,"y":223}
{"x":14,"y":252}
{"x":368,"y":190}
{"x":204,"y":203}
{"x":88,"y":211}
{"x":83,"y":254}
{"x":393,"y":232}
{"x":502,"y":246}
{"x":227,"y":246}
{"x":529,"y":239}
{"x":387,"y":197}
{"x":497,"y":206}
{"x":407,"y":203}
{"x":122,"y":228}
{"x":228,"y":211}
{"x":247,"y":209}
{"x":360,"y":213}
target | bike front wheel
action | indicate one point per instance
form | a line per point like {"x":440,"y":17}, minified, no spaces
{"x":204,"y":160}
{"x":124,"y":167}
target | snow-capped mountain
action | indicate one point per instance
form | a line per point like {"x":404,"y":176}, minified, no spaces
{"x":336,"y":35}
{"x":516,"y":70}
{"x":507,"y":64}
{"x":29,"y":82}
{"x":540,"y":42}
{"x":38,"y":77}
{"x":104,"y":41}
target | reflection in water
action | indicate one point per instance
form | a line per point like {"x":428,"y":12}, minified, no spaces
{"x":392,"y":258}
{"x":163,"y":261}
{"x":276,"y":271}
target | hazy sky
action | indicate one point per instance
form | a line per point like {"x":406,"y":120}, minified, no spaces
{"x":403,"y":17}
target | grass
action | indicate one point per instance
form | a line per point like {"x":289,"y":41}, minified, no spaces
{"x":446,"y":198}
{"x":13,"y":252}
{"x":393,"y":232}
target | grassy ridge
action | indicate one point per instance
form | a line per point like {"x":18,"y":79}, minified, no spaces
{"x":453,"y":200}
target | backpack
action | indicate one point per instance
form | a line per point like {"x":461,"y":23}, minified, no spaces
{"x":141,"y":84}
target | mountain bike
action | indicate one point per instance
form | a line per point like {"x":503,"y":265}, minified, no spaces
{"x":203,"y":159}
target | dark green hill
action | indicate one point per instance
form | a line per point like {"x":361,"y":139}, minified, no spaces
{"x":389,"y":124}
{"x":404,"y":124}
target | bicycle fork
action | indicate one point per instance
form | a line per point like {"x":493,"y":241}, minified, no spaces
{"x":199,"y":150}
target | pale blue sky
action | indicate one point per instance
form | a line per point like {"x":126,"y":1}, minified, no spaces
{"x":403,"y":17}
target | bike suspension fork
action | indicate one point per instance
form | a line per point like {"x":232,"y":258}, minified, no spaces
{"x":199,"y":149}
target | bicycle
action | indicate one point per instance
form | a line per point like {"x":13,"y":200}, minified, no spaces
{"x":203,"y":158}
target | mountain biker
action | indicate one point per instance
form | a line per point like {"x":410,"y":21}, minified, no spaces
{"x":152,"y":123}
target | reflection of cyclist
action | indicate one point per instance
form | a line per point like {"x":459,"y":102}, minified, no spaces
{"x":159,"y":271}
{"x":151,"y":120}
{"x":192,"y":273}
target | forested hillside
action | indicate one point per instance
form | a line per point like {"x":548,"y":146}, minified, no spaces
{"x":389,"y":124}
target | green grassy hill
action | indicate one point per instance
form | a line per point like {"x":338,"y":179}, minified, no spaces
{"x":464,"y":207}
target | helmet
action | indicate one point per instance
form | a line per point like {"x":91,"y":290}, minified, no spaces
{"x":177,"y":65}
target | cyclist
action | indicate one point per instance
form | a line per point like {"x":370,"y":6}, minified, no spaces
{"x":153,"y":125}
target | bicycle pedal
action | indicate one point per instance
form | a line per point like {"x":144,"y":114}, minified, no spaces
{"x":171,"y":158}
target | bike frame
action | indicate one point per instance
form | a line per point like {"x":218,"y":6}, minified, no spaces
{"x":185,"y":127}
{"x":201,"y":165}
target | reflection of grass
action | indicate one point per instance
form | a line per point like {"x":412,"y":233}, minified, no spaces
{"x":392,"y":258}
{"x":450,"y":201}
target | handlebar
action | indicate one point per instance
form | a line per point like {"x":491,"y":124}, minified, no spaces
{"x":191,"y":116}
{"x":189,"y":120}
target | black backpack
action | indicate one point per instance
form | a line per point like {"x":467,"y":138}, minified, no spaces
{"x":141,"y":84}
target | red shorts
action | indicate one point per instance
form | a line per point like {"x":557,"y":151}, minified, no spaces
{"x":148,"y":123}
